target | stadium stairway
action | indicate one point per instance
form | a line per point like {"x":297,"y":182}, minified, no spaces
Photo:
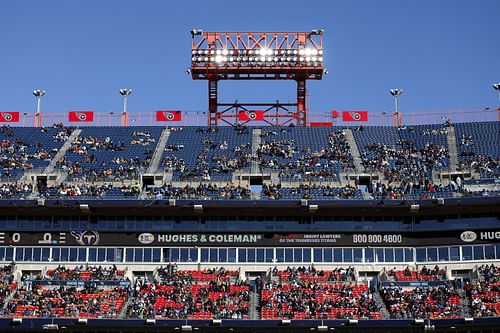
{"x":60,"y":154}
{"x":452,"y":148}
{"x":381,"y":305}
{"x":8,"y":299}
{"x":465,"y":303}
{"x":157,"y":155}
{"x":254,"y":313}
{"x":123,"y":312}
{"x":358,"y":165}
{"x":256,"y":141}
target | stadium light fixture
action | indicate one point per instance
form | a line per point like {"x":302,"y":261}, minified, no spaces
{"x":317,"y":31}
{"x":196,"y":32}
{"x":38,"y":93}
{"x":496,"y":86}
{"x":125,"y":93}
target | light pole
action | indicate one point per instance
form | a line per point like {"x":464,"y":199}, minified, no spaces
{"x":38,"y":93}
{"x":396,"y":93}
{"x":496,"y":86}
{"x":125,"y":93}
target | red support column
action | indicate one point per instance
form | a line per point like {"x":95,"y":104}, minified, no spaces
{"x":301,"y":103}
{"x":124,"y":119}
{"x":212,"y":103}
{"x":38,"y":119}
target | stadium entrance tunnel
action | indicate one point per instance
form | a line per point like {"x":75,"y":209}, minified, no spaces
{"x":256,"y":180}
{"x":41,"y":183}
{"x":148,"y":181}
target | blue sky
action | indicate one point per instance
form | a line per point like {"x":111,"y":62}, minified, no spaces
{"x":443,"y":54}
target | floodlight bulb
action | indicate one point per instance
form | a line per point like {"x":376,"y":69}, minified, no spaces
{"x":314,"y":52}
{"x":218,"y":59}
{"x":320,"y":52}
{"x":225,"y":52}
{"x":218,"y":52}
{"x":308,"y":52}
{"x":301,"y":52}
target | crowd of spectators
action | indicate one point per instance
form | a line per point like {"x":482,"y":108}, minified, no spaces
{"x":181,"y":295}
{"x":201,"y":191}
{"x":65,"y":301}
{"x":84,"y":189}
{"x":291,"y":162}
{"x":6,"y":284}
{"x":84,"y":272}
{"x":422,"y":302}
{"x":485,"y":292}
{"x":407,"y":164}
{"x":306,"y":191}
{"x":142,"y":138}
{"x":15,"y":190}
{"x":311,"y":273}
{"x":304,"y":299}
{"x":423,"y":274}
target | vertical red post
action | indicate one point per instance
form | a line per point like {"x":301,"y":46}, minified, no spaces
{"x":301,"y":103}
{"x":212,"y":103}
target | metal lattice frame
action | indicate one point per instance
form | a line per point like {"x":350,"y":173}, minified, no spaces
{"x":257,"y":56}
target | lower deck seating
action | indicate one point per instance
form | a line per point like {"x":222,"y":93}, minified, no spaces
{"x":422,"y":302}
{"x":86,"y":302}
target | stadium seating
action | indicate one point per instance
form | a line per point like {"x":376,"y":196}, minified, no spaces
{"x":110,"y":153}
{"x":315,"y":153}
{"x":422,"y":302}
{"x":424,"y":274}
{"x":478,"y":147}
{"x":211,"y":154}
{"x":305,"y":163}
{"x":65,"y":301}
{"x":183,"y":294}
{"x":305,"y":293}
{"x":28,"y":148}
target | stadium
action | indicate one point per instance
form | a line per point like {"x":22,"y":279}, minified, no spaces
{"x":250,"y":217}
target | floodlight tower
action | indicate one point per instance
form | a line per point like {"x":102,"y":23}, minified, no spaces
{"x":38,"y":93}
{"x":295,"y":56}
{"x":125,"y":93}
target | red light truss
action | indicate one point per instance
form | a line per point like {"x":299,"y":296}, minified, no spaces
{"x":257,"y":56}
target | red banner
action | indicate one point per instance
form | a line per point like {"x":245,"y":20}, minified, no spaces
{"x":355,"y":115}
{"x":168,"y":115}
{"x":251,"y":115}
{"x":9,"y":117}
{"x":81,"y":116}
{"x":321,"y":124}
